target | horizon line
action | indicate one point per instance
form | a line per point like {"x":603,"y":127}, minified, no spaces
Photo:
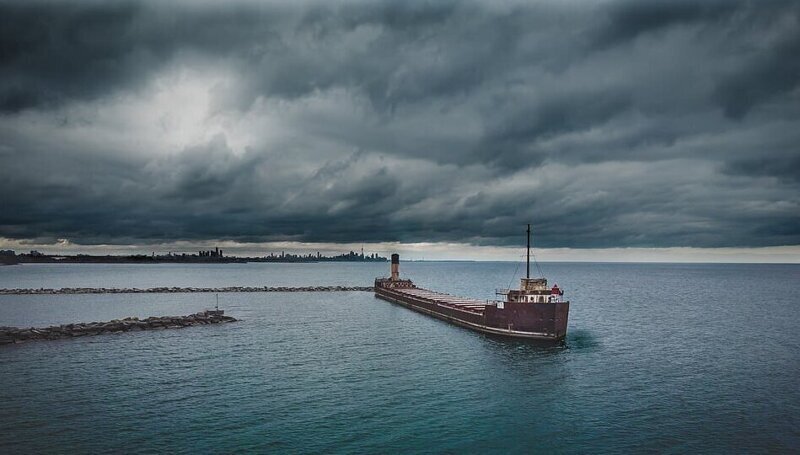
{"x":432,"y":251}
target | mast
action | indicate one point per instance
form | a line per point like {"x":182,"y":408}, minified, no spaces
{"x":528,"y":264}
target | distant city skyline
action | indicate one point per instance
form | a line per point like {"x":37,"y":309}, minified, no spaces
{"x":445,"y":251}
{"x":622,"y":130}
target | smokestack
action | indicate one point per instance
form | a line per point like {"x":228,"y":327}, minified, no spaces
{"x":395,"y":267}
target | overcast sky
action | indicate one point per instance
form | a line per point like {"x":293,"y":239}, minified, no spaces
{"x":606,"y":124}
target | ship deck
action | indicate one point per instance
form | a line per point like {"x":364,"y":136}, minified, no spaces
{"x":461,"y":303}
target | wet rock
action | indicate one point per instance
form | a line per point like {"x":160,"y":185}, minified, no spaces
{"x":172,"y":290}
{"x":11,"y":335}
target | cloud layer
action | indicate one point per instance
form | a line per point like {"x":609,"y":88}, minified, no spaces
{"x":610,"y":124}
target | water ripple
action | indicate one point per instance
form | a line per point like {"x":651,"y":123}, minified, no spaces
{"x":683,"y":359}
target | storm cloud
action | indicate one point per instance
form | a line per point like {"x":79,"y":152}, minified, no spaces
{"x":605,"y":124}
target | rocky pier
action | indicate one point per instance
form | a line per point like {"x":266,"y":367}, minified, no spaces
{"x":178,"y":290}
{"x":10,"y":335}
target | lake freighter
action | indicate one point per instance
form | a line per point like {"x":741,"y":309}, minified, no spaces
{"x":533,"y":311}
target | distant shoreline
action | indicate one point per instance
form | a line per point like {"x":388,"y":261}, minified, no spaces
{"x":183,"y":258}
{"x":118,"y":260}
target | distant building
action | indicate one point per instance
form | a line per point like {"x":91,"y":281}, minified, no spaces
{"x":8,"y":257}
{"x":215,"y":253}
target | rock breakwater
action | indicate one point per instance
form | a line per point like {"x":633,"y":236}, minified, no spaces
{"x":176,"y":290}
{"x":9,"y":335}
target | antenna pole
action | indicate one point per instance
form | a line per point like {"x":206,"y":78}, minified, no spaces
{"x":528,"y":264}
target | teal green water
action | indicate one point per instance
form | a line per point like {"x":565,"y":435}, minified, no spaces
{"x":659,"y":357}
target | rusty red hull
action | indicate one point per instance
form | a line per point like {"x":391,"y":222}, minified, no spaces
{"x":539,"y":321}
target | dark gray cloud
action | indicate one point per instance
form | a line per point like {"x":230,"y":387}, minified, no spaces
{"x":624,"y":123}
{"x":629,"y":19}
{"x":772,"y":72}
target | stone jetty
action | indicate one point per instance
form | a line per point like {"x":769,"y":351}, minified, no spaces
{"x":9,"y":335}
{"x":178,"y":290}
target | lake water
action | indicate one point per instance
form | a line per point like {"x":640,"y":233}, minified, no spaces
{"x":659,"y":357}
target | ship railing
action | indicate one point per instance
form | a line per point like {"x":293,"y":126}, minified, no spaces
{"x":502,"y":291}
